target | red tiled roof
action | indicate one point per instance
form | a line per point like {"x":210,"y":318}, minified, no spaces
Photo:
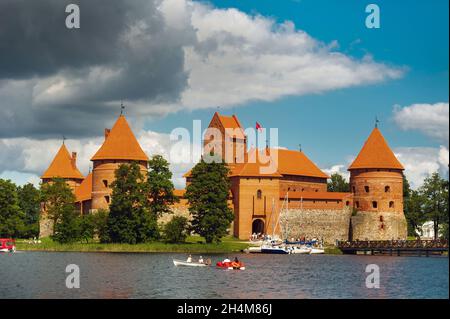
{"x":376,"y":153}
{"x":84,"y":191}
{"x":297,"y":163}
{"x":231,"y":122}
{"x":62,"y":166}
{"x":120,"y":144}
{"x":286,"y":163}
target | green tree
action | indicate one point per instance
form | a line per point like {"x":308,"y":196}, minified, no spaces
{"x":130,"y":220}
{"x":413,"y":208}
{"x":207,"y":195}
{"x":337,"y":183}
{"x":159,"y":186}
{"x":176,"y":230}
{"x":435,"y":201}
{"x":11,"y":216}
{"x":68,"y":229}
{"x":30,"y":203}
{"x":57,"y":196}
{"x":94,"y":226}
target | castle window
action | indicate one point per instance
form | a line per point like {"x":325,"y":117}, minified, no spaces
{"x":354,"y":189}
{"x":259,"y":194}
{"x":107,"y":199}
{"x":387,"y":189}
{"x":357,"y":204}
{"x":381,"y":219}
{"x":347,"y":203}
{"x":391,"y":204}
{"x":375,"y":204}
{"x":367,"y":189}
{"x":105,"y":182}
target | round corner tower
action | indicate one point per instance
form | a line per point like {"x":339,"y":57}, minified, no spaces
{"x":120,"y":147}
{"x":376,"y":181}
{"x":63,"y":166}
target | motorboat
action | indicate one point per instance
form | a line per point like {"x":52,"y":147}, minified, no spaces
{"x":316,"y":251}
{"x":178,"y":262}
{"x":269,"y":249}
{"x":7,"y":245}
{"x":300,"y":250}
{"x":254,"y":249}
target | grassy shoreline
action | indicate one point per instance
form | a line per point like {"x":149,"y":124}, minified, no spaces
{"x":193,"y":244}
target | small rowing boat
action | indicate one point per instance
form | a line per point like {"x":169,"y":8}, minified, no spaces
{"x":178,"y":262}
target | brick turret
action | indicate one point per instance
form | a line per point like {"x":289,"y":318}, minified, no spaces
{"x":120,"y":147}
{"x":376,"y":181}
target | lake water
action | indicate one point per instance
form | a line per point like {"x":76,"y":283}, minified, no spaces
{"x":129,"y":275}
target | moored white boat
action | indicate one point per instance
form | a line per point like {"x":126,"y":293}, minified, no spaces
{"x":315,"y":251}
{"x":274,"y":250}
{"x":300,"y":250}
{"x":178,"y":262}
{"x":254,"y":249}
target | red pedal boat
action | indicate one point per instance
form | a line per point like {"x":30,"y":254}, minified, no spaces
{"x":7,"y":245}
{"x":231,"y":265}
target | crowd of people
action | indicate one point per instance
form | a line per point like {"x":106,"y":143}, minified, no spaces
{"x":264,"y":237}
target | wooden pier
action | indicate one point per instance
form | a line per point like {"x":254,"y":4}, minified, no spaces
{"x":395,"y":247}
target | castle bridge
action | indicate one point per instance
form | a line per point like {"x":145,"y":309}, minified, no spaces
{"x":394,"y":247}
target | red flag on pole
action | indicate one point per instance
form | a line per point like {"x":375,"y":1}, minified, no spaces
{"x":258,"y":126}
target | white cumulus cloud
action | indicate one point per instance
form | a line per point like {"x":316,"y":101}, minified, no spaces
{"x":430,"y":119}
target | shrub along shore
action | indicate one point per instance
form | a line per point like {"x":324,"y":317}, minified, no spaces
{"x":193,"y":244}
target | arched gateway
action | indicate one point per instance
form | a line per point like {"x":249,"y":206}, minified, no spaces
{"x":258,"y":226}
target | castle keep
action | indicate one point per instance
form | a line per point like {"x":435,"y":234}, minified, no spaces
{"x":291,"y":200}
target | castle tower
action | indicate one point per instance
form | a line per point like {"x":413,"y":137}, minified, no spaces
{"x":63,"y":166}
{"x":120,"y":147}
{"x":376,"y":181}
{"x":232,"y":142}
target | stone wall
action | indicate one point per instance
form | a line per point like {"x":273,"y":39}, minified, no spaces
{"x":378,"y":226}
{"x":45,"y":226}
{"x":331,"y":225}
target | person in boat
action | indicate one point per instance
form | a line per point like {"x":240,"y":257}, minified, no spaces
{"x":189,"y":259}
{"x":236,"y":264}
{"x":226,"y":260}
{"x":200,"y":260}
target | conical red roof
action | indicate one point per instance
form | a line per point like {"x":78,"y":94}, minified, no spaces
{"x":84,"y":191}
{"x":121,"y":144}
{"x":62,"y":166}
{"x":376,"y":153}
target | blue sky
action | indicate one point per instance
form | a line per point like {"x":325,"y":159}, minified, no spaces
{"x":333,"y":125}
{"x":175,"y":61}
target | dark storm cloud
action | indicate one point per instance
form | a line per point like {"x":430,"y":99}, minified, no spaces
{"x":35,"y":41}
{"x":123,"y":50}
